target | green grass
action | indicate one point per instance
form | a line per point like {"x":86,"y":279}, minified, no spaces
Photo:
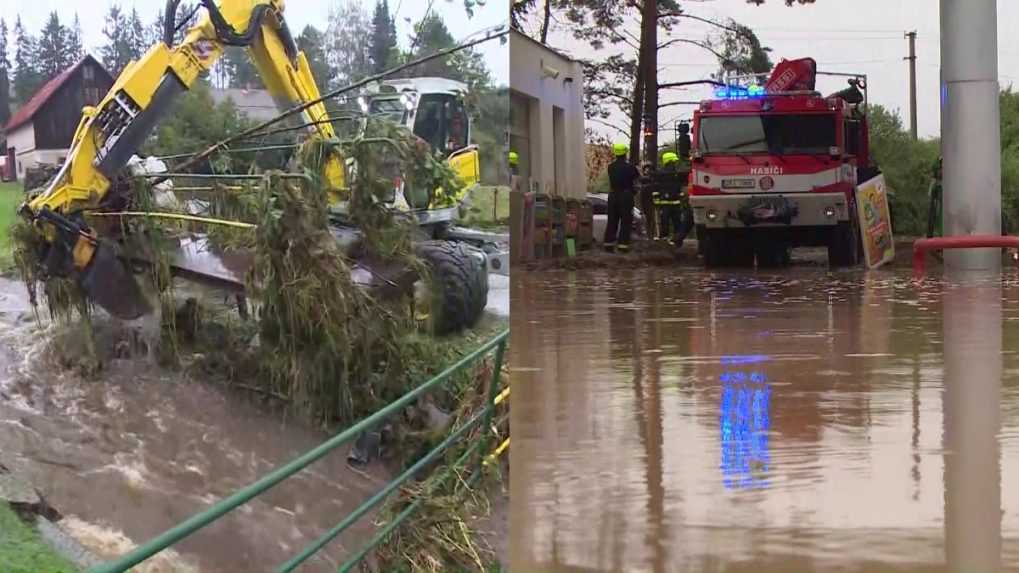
{"x":11,"y":195}
{"x":23,"y":551}
{"x":485,"y":211}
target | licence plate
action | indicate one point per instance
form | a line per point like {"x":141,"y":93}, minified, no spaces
{"x":738,"y":183}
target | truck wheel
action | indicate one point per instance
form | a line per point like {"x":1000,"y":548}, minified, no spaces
{"x":843,"y":246}
{"x":728,"y":248}
{"x":770,"y":253}
{"x":711,"y":247}
{"x":456,"y":290}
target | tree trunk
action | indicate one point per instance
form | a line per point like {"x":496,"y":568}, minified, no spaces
{"x":545,"y":20}
{"x":635,"y":116}
{"x":649,"y":55}
{"x":637,"y":109}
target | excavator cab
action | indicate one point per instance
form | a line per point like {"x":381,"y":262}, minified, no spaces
{"x":434,"y":110}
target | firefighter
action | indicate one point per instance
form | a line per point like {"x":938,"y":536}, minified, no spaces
{"x":622,"y":177}
{"x":672,"y":204}
{"x":514,"y":163}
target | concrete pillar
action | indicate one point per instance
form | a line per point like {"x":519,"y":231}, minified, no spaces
{"x":970,"y":128}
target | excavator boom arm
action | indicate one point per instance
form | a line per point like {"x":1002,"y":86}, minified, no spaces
{"x":110,"y":133}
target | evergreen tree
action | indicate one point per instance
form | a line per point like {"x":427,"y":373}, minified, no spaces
{"x":138,"y":37}
{"x":243,"y":73}
{"x":121,"y":41}
{"x":383,"y":38}
{"x":431,"y":36}
{"x":75,"y":47}
{"x":347,"y":51}
{"x":27,"y":78}
{"x":52,"y":56}
{"x":312,"y":43}
{"x":5,"y":85}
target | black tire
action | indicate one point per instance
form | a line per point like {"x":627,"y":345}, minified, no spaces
{"x":844,"y":246}
{"x":458,"y":285}
{"x":770,"y":253}
{"x":728,"y":248}
{"x":712,"y":248}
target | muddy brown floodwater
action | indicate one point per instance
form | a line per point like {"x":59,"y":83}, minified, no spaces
{"x":128,"y":456}
{"x":679,"y":420}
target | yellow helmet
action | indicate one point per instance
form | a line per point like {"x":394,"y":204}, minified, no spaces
{"x":669,"y":157}
{"x":620,"y":149}
{"x":514,"y":158}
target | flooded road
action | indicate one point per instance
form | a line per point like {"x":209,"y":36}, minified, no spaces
{"x":678,"y":420}
{"x":128,"y":456}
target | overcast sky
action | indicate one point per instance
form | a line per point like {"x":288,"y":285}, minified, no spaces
{"x":860,"y":36}
{"x":299,"y":14}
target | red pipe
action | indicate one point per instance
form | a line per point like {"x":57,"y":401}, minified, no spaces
{"x":921,"y":246}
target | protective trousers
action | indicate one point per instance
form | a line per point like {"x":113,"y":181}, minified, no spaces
{"x":620,"y":219}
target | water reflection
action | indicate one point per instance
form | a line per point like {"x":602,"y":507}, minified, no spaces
{"x":744,"y":422}
{"x":739,"y":422}
{"x":973,"y":361}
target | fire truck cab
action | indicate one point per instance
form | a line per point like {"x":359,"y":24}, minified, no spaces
{"x":775,"y":166}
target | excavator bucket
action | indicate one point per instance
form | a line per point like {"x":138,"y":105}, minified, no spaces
{"x":109,"y":283}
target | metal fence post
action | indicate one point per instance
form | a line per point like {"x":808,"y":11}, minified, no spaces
{"x":493,"y":391}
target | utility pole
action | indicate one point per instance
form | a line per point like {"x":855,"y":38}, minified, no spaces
{"x":971,"y":134}
{"x":911,"y":36}
{"x":649,"y":49}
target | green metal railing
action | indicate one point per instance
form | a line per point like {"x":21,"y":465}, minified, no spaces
{"x":242,"y":496}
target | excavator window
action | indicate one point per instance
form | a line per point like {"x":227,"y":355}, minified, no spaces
{"x":391,"y":109}
{"x":441,"y":120}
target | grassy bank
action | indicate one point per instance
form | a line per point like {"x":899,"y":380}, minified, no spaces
{"x":11,"y":195}
{"x":23,"y":551}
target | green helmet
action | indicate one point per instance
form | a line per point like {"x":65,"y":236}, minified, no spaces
{"x":620,"y":149}
{"x":669,"y":157}
{"x":514,"y":158}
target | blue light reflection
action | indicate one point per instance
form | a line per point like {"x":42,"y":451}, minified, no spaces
{"x":744,"y":423}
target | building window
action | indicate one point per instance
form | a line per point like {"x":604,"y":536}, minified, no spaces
{"x":91,"y":96}
{"x":88,"y":73}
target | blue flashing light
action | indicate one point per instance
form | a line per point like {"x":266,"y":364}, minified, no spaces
{"x":739,"y":92}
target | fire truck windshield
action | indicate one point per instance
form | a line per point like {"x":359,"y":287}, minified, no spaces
{"x":766,"y":134}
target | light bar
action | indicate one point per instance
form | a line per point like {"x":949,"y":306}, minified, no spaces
{"x":740,"y":92}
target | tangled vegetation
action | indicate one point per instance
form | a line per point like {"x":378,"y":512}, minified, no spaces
{"x":334,"y":350}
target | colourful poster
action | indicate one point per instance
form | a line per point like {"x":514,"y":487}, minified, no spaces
{"x":875,"y":222}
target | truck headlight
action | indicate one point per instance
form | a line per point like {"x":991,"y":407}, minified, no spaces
{"x":712,"y":215}
{"x":830,"y":212}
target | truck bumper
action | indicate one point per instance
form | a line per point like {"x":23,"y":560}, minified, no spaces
{"x":802,"y":210}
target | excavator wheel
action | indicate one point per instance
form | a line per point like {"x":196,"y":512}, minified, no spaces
{"x":457,"y":290}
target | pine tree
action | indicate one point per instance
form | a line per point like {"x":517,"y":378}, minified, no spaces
{"x":431,"y":36}
{"x":243,"y":73}
{"x":312,"y":43}
{"x":27,"y":78}
{"x":383,"y":38}
{"x":347,"y":51}
{"x":52,"y":55}
{"x":138,"y":39}
{"x":75,"y":47}
{"x":121,"y":41}
{"x":5,"y":85}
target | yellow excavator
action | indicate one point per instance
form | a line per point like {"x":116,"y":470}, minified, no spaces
{"x":110,"y":133}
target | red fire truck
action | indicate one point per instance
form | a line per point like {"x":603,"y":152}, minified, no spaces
{"x":775,"y":166}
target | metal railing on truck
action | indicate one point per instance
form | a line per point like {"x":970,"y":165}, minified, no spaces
{"x":494,"y":396}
